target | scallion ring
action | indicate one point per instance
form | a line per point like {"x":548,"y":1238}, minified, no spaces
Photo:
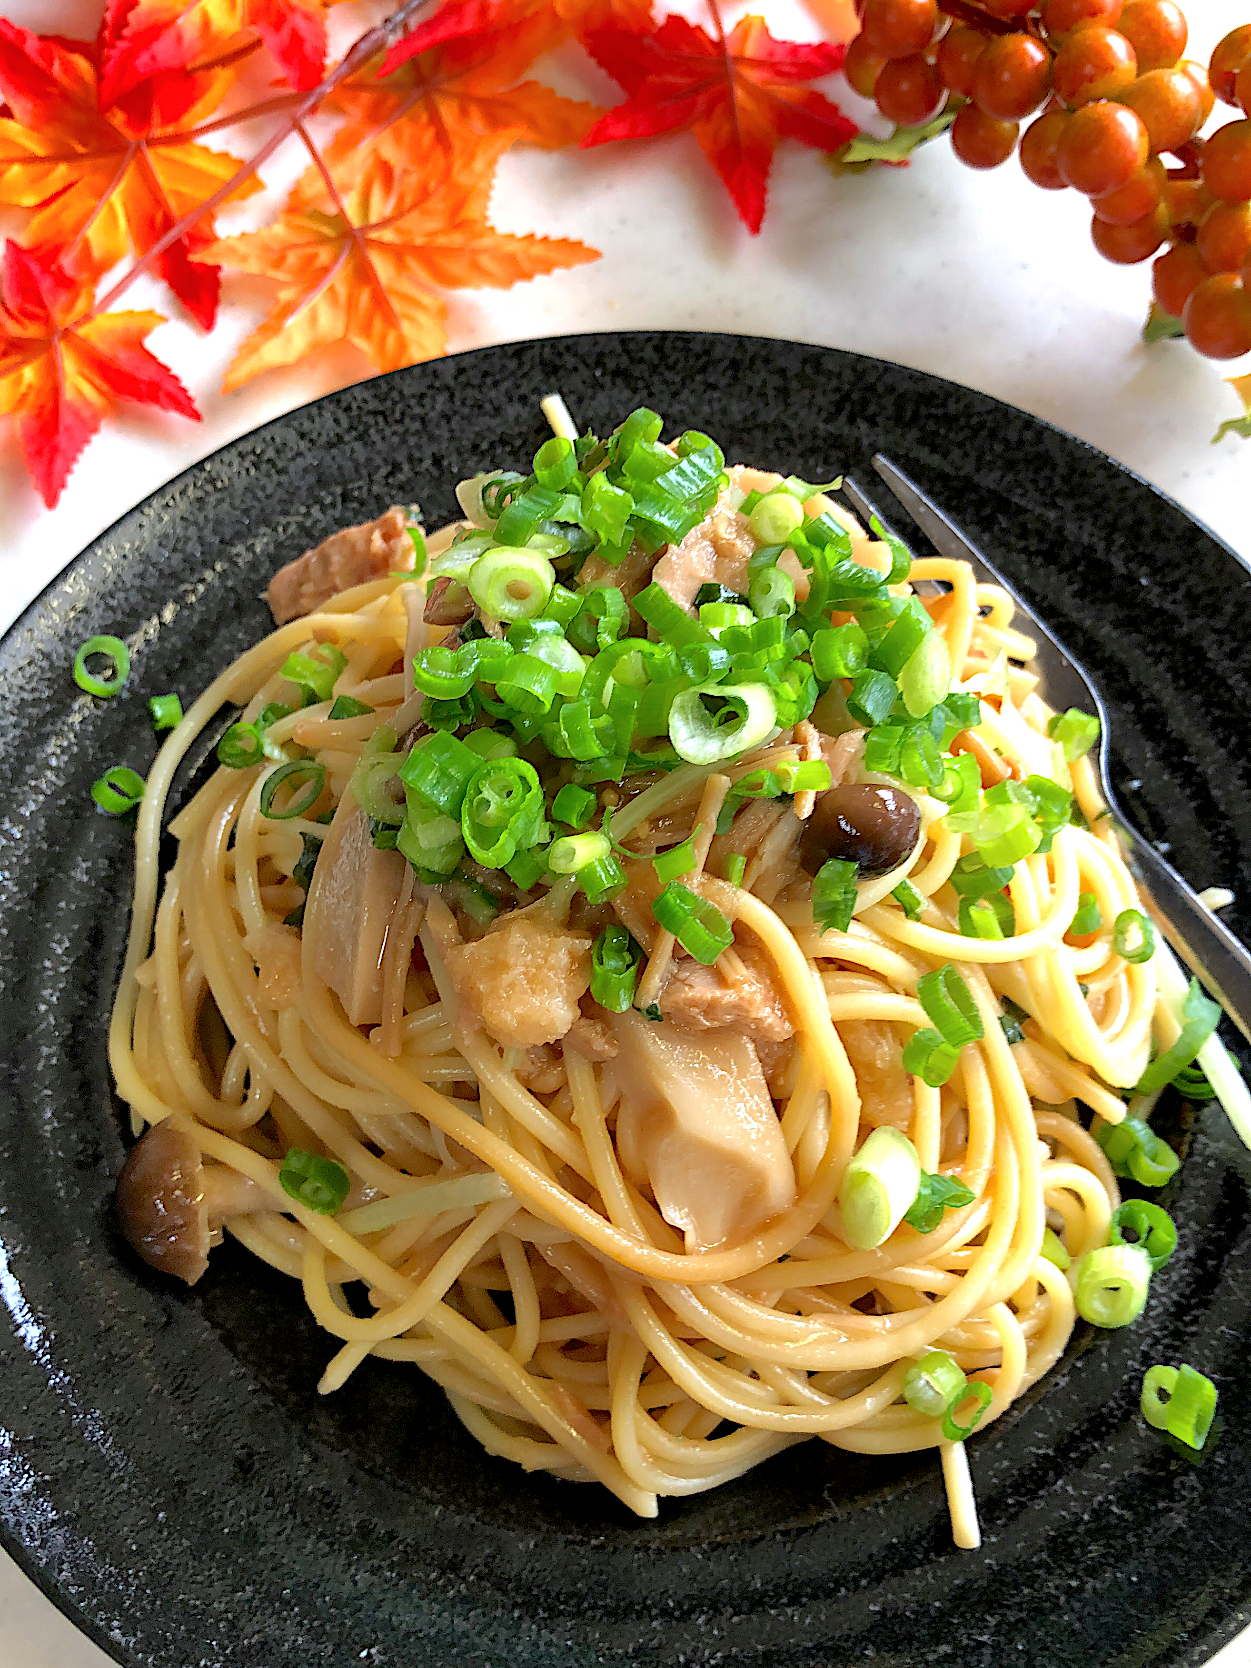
{"x":119,"y":790}
{"x":511,"y":583}
{"x":118,"y":656}
{"x":289,"y":774}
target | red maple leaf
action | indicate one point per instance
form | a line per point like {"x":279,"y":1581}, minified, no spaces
{"x":62,"y":370}
{"x":738,"y":94}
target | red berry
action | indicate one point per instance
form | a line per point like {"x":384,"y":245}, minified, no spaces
{"x":958,"y":55}
{"x":1207,"y":98}
{"x":1094,"y":63}
{"x":1156,"y":30}
{"x":1013,"y":77}
{"x":1176,"y":276}
{"x":1126,"y":245}
{"x":1224,"y":237}
{"x":1187,"y":201}
{"x":980,"y":141}
{"x":1227,"y":162}
{"x":1038,"y":150}
{"x":1141,"y":195}
{"x":909,"y":91}
{"x":1217,"y":317}
{"x":861,"y":66}
{"x":1168,"y":102}
{"x":1062,"y":17}
{"x":897,"y":28}
{"x":1102,"y":147}
{"x":1231,"y":55}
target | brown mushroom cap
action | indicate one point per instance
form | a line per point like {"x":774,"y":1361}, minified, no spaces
{"x":873,"y":826}
{"x":160,"y":1202}
{"x":169,"y":1202}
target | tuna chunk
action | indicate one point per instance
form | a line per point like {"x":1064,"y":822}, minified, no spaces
{"x":717,"y":550}
{"x":524,"y":979}
{"x":700,"y":998}
{"x":351,"y":557}
{"x":876,"y":1057}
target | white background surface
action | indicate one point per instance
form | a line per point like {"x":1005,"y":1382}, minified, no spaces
{"x":977,"y":277}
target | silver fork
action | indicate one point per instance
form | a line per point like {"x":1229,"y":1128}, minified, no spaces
{"x":1203,"y":942}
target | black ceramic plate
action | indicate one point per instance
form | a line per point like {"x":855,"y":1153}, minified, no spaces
{"x":168,"y":1473}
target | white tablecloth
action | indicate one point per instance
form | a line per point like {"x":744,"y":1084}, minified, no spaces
{"x":977,"y":277}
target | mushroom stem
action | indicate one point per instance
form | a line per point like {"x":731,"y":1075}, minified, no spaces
{"x":227,"y":1193}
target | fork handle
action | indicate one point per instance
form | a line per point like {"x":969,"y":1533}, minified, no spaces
{"x":1205,"y":944}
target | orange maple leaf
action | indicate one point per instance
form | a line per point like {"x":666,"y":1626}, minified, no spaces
{"x":371,"y":274}
{"x":145,"y":37}
{"x":518,"y":30}
{"x":102,"y":186}
{"x":62,"y":371}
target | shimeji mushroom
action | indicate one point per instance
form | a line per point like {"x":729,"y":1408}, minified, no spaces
{"x":171,"y":1204}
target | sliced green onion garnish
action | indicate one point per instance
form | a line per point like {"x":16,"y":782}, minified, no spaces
{"x":574,"y":851}
{"x":1075,"y":730}
{"x":775,"y":517}
{"x":574,"y":805}
{"x":511,"y":584}
{"x":926,"y":676}
{"x":716,"y":721}
{"x":803,"y":775}
{"x":971,"y":877}
{"x":430,"y":840}
{"x":1181,"y":1401}
{"x":165,"y":711}
{"x":834,"y":894}
{"x":320,"y":1184}
{"x":601,"y":879}
{"x":502,"y":811}
{"x":948,"y":1003}
{"x":119,"y":790}
{"x":839,"y":652}
{"x":370,"y":784}
{"x":960,"y":785}
{"x":903,"y":639}
{"x":1133,"y":936}
{"x":909,"y":899}
{"x":771,"y":591}
{"x":931,"y":1384}
{"x":1054,"y":1249}
{"x":1134,"y":1149}
{"x":316,"y":673}
{"x":1086,"y":917}
{"x":1139,"y":1222}
{"x":699,"y":926}
{"x":935,"y":1195}
{"x":735,"y":867}
{"x":927,"y":1056}
{"x":289,"y":775}
{"x":1011,"y":1020}
{"x":439,"y":770}
{"x":957,"y":1426}
{"x":878,"y":1186}
{"x":118,"y":656}
{"x":1200,"y":1017}
{"x":992,"y":917}
{"x":1112,"y":1285}
{"x":347,"y":706}
{"x":614,"y":970}
{"x":528,"y":685}
{"x":872,"y":696}
{"x":678,"y":860}
{"x":241,"y":747}
{"x":1002,"y":833}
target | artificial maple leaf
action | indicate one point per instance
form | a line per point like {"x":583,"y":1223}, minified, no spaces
{"x":739,"y":95}
{"x":1241,"y":426}
{"x":62,"y":370}
{"x":372,"y":274}
{"x":1161,"y":326}
{"x":145,"y":37}
{"x":102,"y":186}
{"x":895,"y":151}
{"x":459,"y":97}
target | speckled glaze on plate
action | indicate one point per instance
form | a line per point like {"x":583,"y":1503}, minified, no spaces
{"x":168,"y":1473}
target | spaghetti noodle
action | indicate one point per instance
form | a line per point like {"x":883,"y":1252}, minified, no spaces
{"x":605,"y":1204}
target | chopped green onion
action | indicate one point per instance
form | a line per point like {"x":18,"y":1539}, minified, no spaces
{"x":743,"y":717}
{"x":956,"y":1429}
{"x":287,"y":775}
{"x":118,"y":656}
{"x":926,"y":676}
{"x":904,"y":638}
{"x":949,"y":1004}
{"x":502,"y":810}
{"x":1075,"y":730}
{"x":420,"y":553}
{"x":1054,"y":1249}
{"x":370,"y":782}
{"x":734,"y":868}
{"x":992,"y":917}
{"x":670,"y":621}
{"x":678,"y":860}
{"x":971,"y":878}
{"x":347,"y":706}
{"x":900,"y":555}
{"x":699,"y":926}
{"x":1200,"y":1017}
{"x":490,"y":744}
{"x":878,"y":1186}
{"x":526,"y":867}
{"x":935,"y":1195}
{"x":165,"y":711}
{"x":771,"y":592}
{"x":718,"y":617}
{"x":834,"y":894}
{"x":556,"y":463}
{"x":1192,"y":1084}
{"x":316,"y":673}
{"x":775,"y":517}
{"x":511,"y":584}
{"x":528,"y":684}
{"x":839,"y":652}
{"x":1181,"y":1401}
{"x":921,"y":764}
{"x":574,"y":851}
{"x":1133,"y":936}
{"x":563,"y":606}
{"x":319,"y":1184}
{"x":1112,"y":1285}
{"x":1139,"y":1222}
{"x":1003,"y":834}
{"x":909,"y":899}
{"x":441,"y":672}
{"x":574,"y":805}
{"x":872,"y":696}
{"x":430,"y":840}
{"x":961,"y":784}
{"x":614,"y":970}
{"x":1087,"y":918}
{"x":439,"y":770}
{"x":1011,"y":1021}
{"x":606,"y":510}
{"x":803,"y":775}
{"x":931,"y":1384}
{"x":927,"y":1056}
{"x":240,"y":747}
{"x":1134,"y":1149}
{"x":119,"y":790}
{"x":601,"y":879}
